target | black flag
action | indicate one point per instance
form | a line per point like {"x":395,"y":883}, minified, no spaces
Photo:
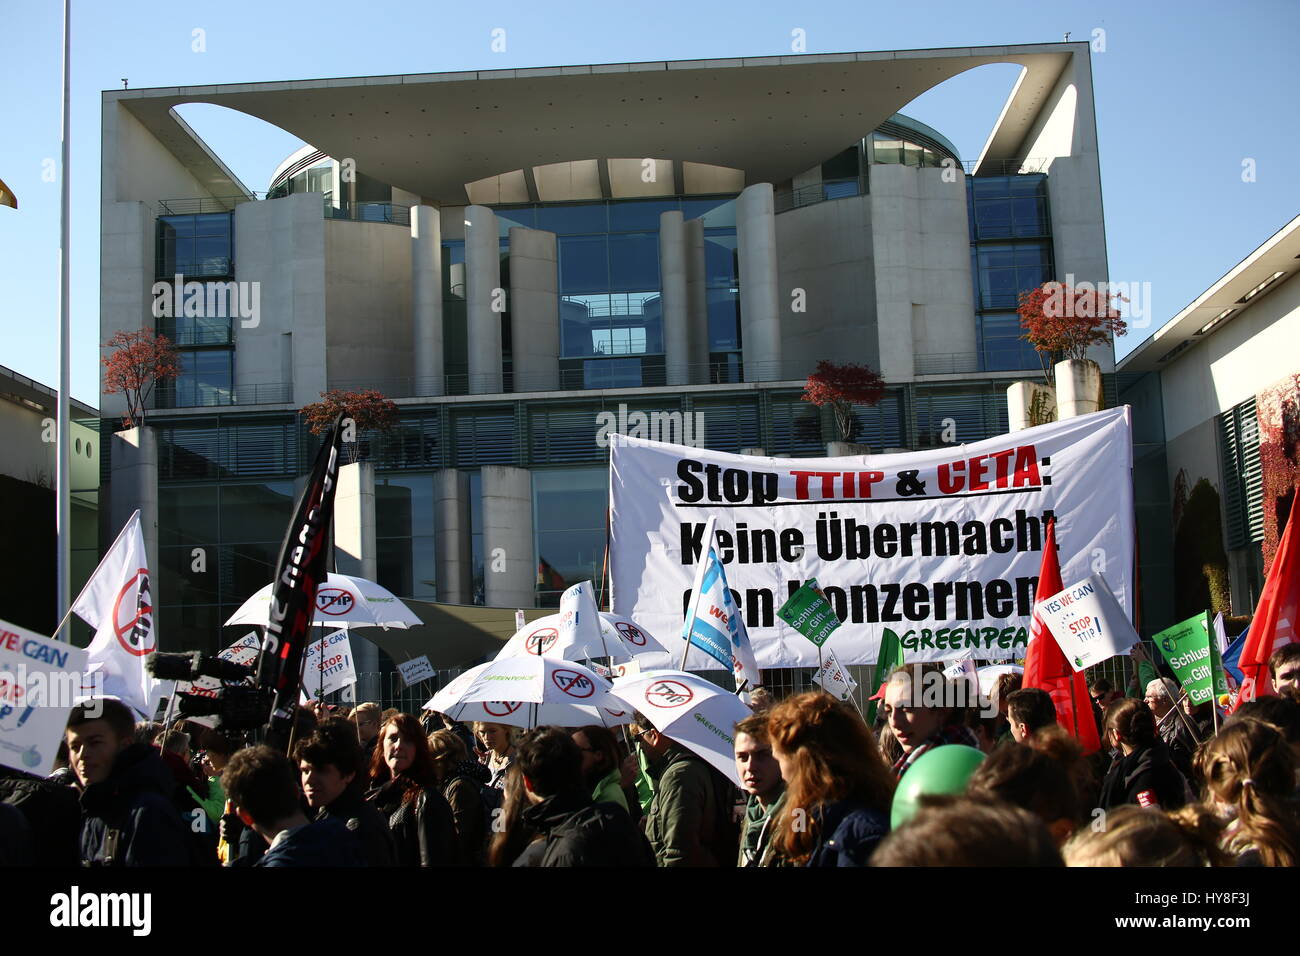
{"x":299,"y":572}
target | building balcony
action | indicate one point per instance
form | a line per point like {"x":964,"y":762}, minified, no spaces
{"x":205,"y":395}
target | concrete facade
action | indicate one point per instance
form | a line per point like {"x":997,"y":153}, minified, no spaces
{"x":509,"y":570}
{"x":760,"y":306}
{"x":426,"y":299}
{"x":485,"y":300}
{"x":534,"y":310}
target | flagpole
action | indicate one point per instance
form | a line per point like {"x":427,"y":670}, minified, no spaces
{"x":63,"y":505}
{"x":68,"y":614}
{"x":701,"y":561}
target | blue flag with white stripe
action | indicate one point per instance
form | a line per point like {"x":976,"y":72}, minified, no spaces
{"x":716,"y":626}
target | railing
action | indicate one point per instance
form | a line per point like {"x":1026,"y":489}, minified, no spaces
{"x":195,"y":396}
{"x":201,"y":204}
{"x":1008,"y":167}
{"x":394,"y":213}
{"x":945,"y":363}
{"x":787,"y":199}
{"x":569,"y":379}
{"x":189,"y":338}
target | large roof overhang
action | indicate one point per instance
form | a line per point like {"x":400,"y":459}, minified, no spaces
{"x":1222,"y":302}
{"x":772,"y":117}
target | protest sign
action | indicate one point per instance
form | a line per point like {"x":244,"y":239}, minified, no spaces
{"x":809,"y":613}
{"x":39,"y":680}
{"x":327,"y":665}
{"x":626,"y":669}
{"x":941,"y":546}
{"x":1088,"y":623}
{"x":415,"y":670}
{"x":833,"y":678}
{"x":1189,"y":651}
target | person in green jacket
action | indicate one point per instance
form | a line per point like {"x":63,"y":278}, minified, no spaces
{"x":690,"y":820}
{"x":601,"y":766}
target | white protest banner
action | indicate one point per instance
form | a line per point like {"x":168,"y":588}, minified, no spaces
{"x":1088,"y":623}
{"x":40,"y":679}
{"x":833,"y":678}
{"x":940,"y":548}
{"x":327,"y":665}
{"x":415,"y":670}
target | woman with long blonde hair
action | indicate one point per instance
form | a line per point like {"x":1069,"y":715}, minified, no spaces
{"x":838,"y":787}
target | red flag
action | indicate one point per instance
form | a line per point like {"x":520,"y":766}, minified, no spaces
{"x":1275,"y":620}
{"x":1046,"y":666}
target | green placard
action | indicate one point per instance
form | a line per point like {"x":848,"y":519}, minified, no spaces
{"x":1187,"y":649}
{"x":809,"y":613}
{"x":1216,"y":664}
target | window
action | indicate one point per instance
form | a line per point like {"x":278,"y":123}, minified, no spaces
{"x":195,"y":245}
{"x":569,"y":526}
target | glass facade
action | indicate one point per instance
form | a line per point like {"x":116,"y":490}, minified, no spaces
{"x":611,"y":318}
{"x":1011,"y":252}
{"x":195,"y":246}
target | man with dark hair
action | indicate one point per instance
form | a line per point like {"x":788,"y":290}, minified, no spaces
{"x":575,"y":831}
{"x":1029,"y":710}
{"x":690,"y":821}
{"x":128,"y":818}
{"x":331,"y":765}
{"x":1284,"y":665}
{"x":260,"y":784}
{"x":760,"y":776}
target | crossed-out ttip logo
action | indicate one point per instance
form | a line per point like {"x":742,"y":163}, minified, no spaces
{"x":133,"y":615}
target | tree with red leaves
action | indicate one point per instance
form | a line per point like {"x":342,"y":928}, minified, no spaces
{"x":1063,"y":321}
{"x":138,"y":362}
{"x":841,"y":387}
{"x":368,"y":408}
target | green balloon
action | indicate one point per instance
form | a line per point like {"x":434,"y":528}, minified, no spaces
{"x":940,"y":770}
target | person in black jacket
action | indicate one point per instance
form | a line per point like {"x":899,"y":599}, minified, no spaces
{"x":575,"y":831}
{"x":53,"y":812}
{"x":329,"y":762}
{"x":1142,"y":771}
{"x":128,"y":818}
{"x":405,"y":790}
{"x":260,"y":784}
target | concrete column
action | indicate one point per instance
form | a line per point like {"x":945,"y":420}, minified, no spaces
{"x":534,"y":310}
{"x":1027,"y":401}
{"x":673,"y":297}
{"x":1078,"y":388}
{"x":760,"y":311}
{"x":426,"y":299}
{"x":454,"y":564}
{"x":355,"y":554}
{"x":134,"y":484}
{"x":697,"y":301}
{"x":483,"y":290}
{"x":509,"y":572}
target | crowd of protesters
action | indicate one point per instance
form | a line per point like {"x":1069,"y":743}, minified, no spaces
{"x":1172,"y":785}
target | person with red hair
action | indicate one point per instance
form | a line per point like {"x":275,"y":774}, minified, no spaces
{"x":838,"y":787}
{"x":404,"y":788}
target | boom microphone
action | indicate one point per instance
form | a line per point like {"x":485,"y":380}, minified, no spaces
{"x":190,"y":667}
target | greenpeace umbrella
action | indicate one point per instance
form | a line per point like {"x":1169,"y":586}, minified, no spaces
{"x":531,"y":692}
{"x":694,"y":712}
{"x":341,"y":601}
{"x":623,"y":640}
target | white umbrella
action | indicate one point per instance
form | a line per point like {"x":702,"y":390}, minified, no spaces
{"x":342,"y":601}
{"x":694,"y":712}
{"x":531,"y":692}
{"x":623,"y":640}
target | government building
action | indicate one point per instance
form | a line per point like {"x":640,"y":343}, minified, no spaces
{"x":519,"y":258}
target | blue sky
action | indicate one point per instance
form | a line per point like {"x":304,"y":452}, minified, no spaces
{"x":1185,"y":92}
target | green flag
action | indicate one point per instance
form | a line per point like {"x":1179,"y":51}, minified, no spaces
{"x":891,"y":656}
{"x":809,"y":613}
{"x":1188,"y":650}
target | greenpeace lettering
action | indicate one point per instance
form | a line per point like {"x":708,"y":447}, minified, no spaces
{"x":943,"y":546}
